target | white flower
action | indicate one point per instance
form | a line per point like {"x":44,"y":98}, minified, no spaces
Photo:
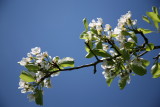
{"x":45,"y":54}
{"x":134,"y":22}
{"x":39,"y":75}
{"x":112,"y":53}
{"x":47,"y":66}
{"x":35,"y":50}
{"x":55,"y":74}
{"x":47,"y":83}
{"x":29,"y":55}
{"x":107,"y":27}
{"x":92,"y":24}
{"x":24,"y":61}
{"x":99,"y":28}
{"x":31,"y":97}
{"x":105,"y":65}
{"x":105,"y":47}
{"x":130,"y":40}
{"x":117,"y":30}
{"x":99,"y":22}
{"x":25,"y":86}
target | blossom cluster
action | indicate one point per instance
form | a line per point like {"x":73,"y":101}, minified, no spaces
{"x":38,"y":65}
{"x":121,"y":38}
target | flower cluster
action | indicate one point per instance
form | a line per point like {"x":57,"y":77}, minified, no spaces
{"x":40,"y":67}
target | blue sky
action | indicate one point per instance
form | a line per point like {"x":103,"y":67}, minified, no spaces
{"x":55,"y":26}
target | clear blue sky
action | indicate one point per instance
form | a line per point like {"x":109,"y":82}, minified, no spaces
{"x":55,"y":26}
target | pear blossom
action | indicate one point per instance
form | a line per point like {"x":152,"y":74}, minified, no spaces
{"x":39,"y":75}
{"x":92,"y":24}
{"x":99,"y":22}
{"x":24,"y":61}
{"x":107,"y":27}
{"x":130,"y":40}
{"x":25,"y":86}
{"x":112,"y":53}
{"x":105,"y":47}
{"x":47,"y":83}
{"x":55,"y":74}
{"x":35,"y":50}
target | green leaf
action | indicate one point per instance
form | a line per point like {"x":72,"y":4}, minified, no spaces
{"x":99,"y":45}
{"x":85,"y":22}
{"x":100,"y":52}
{"x":27,"y":77}
{"x":129,"y":45}
{"x":153,"y":16}
{"x":138,"y":69}
{"x":125,"y":54}
{"x":109,"y":81}
{"x":145,"y":18}
{"x":155,"y":10}
{"x":84,"y":35}
{"x":125,"y":33}
{"x":32,"y":68}
{"x":145,"y":63}
{"x":90,"y":45}
{"x":114,"y":35}
{"x":94,"y":31}
{"x":145,"y":31}
{"x":66,"y":62}
{"x":155,"y":70}
{"x":39,"y":97}
{"x":122,"y":83}
{"x":89,"y":55}
{"x":150,"y":47}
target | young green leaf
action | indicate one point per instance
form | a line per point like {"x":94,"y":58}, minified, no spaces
{"x":153,"y":16}
{"x":27,"y":77}
{"x":145,"y":63}
{"x":125,"y":54}
{"x":99,"y":45}
{"x":84,"y":35}
{"x":85,"y":22}
{"x":138,"y":69}
{"x":39,"y":97}
{"x":89,"y":55}
{"x":109,"y":81}
{"x":122,"y":83}
{"x":155,"y":10}
{"x":66,"y":62}
{"x":150,"y":47}
{"x":145,"y":31}
{"x":32,"y":68}
{"x":102,"y":53}
{"x":155,"y":70}
{"x":145,"y":18}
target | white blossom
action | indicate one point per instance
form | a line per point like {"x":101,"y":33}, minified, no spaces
{"x":39,"y":75}
{"x":105,"y":47}
{"x":35,"y":50}
{"x":107,"y":27}
{"x":24,"y":61}
{"x":47,"y":83}
{"x":55,"y":74}
{"x":117,"y":30}
{"x":25,"y":86}
{"x":112,"y":53}
{"x":130,"y":40}
{"x":92,"y":24}
{"x":99,"y":22}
